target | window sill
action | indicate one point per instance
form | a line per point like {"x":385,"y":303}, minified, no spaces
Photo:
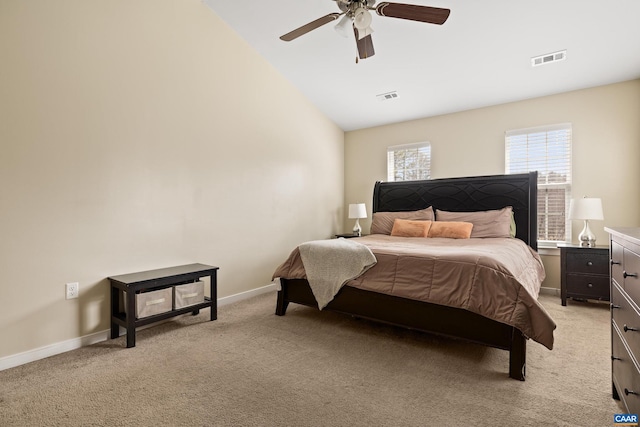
{"x":549,"y":250}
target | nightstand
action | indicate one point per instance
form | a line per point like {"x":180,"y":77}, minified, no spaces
{"x":584,"y":272}
{"x":349,"y":235}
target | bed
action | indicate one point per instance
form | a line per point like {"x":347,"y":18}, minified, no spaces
{"x":528,"y":319}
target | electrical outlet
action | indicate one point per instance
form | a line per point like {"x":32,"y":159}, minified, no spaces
{"x":73,"y":289}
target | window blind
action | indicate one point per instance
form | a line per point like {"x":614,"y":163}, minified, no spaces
{"x":546,"y":149}
{"x":409,"y":162}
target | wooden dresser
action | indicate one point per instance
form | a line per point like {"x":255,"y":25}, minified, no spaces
{"x":625,"y":316}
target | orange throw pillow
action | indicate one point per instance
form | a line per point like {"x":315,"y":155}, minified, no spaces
{"x":451,"y":229}
{"x":410,"y":228}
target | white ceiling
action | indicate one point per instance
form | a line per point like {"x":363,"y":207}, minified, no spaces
{"x":481,"y":56}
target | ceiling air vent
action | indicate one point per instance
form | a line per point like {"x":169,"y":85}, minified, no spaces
{"x":387,"y":96}
{"x":549,"y":58}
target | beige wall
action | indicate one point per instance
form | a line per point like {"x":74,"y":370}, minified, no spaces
{"x":144,"y":134}
{"x":606,"y":150}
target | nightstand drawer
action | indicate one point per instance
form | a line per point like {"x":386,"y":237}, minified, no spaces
{"x":590,"y":262}
{"x":581,"y":286}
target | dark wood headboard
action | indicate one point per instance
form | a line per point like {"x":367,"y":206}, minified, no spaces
{"x":469,"y":194}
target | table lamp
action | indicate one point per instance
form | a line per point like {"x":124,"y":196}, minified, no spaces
{"x":357,"y":211}
{"x":586,"y":209}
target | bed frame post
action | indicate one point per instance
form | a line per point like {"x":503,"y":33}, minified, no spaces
{"x":281,"y":304}
{"x":517,"y":355}
{"x":533,"y":211}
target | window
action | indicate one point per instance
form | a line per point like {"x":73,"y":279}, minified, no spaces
{"x":409,"y":162}
{"x":545,"y":149}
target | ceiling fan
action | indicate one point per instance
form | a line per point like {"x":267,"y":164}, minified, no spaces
{"x":355,"y":14}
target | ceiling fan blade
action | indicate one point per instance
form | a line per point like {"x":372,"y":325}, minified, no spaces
{"x":310,"y":26}
{"x":431,"y":15}
{"x":365,"y":45}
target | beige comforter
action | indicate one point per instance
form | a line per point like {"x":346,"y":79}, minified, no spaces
{"x":498,"y":278}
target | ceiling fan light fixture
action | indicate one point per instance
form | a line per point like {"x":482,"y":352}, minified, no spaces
{"x":361,"y":18}
{"x":343,"y":27}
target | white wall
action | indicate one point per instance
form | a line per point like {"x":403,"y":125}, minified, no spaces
{"x":606,"y":150}
{"x":144,"y":134}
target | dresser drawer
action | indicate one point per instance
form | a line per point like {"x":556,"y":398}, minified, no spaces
{"x":627,"y":319}
{"x":617,"y":257}
{"x":594,"y":287}
{"x":632,"y":267}
{"x":588,"y":262}
{"x":625,"y":375}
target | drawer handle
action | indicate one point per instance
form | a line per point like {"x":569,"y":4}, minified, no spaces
{"x":625,"y":274}
{"x":627,"y":329}
{"x":615,"y":358}
{"x":615,"y":262}
{"x":615,"y":306}
{"x":628,"y":392}
{"x":590,"y":285}
{"x":589,"y":264}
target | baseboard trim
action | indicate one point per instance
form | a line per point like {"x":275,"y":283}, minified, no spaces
{"x":51,"y":350}
{"x":550,"y":291}
{"x":247,"y":294}
{"x":15,"y":360}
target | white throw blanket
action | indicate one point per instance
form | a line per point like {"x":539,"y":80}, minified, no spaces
{"x":329,"y":264}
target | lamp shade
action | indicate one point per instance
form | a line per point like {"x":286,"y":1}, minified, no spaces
{"x":344,"y":26}
{"x":357,"y":210}
{"x":361,"y":18}
{"x":586,"y":208}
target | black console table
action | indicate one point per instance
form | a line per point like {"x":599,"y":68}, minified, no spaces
{"x":133,"y":283}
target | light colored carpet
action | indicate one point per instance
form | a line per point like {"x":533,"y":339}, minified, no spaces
{"x":310,"y":368}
